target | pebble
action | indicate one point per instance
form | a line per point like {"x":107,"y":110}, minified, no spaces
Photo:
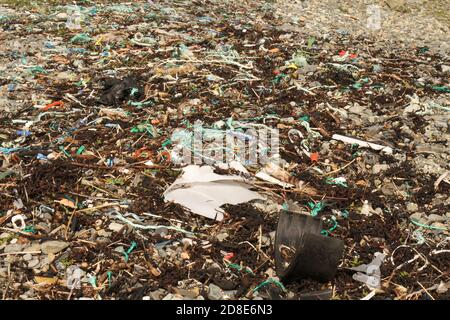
{"x":222,"y":236}
{"x":157,"y":294}
{"x":388,"y":189}
{"x":190,"y":294}
{"x":34,"y":247}
{"x":114,"y":226}
{"x":27,"y":257}
{"x":33,"y":263}
{"x":61,"y":16}
{"x":419,"y":217}
{"x":436,"y":218}
{"x":439,"y":225}
{"x":119,"y":249}
{"x":187,"y":242}
{"x":162,"y":253}
{"x":215,"y":292}
{"x":103,"y":233}
{"x":53,"y":246}
{"x":4,"y":235}
{"x":377,"y":168}
{"x":171,"y":296}
{"x":14,"y":247}
{"x":412,"y":207}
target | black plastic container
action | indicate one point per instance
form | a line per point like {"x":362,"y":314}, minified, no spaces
{"x":302,"y":252}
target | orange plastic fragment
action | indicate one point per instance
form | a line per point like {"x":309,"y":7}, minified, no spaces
{"x":53,"y":104}
{"x":314,"y":156}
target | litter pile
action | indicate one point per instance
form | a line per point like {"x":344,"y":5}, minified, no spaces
{"x":336,"y":185}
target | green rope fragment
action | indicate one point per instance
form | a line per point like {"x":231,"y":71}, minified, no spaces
{"x":278,"y":78}
{"x":345,"y":213}
{"x":336,"y":181}
{"x":144,"y":127}
{"x":335,"y":224}
{"x":80,"y":38}
{"x":140,"y":104}
{"x":266,"y":282}
{"x":422,"y":50}
{"x":315,"y":207}
{"x":29,"y":229}
{"x":93,"y":281}
{"x":166,"y":143}
{"x":38,"y":69}
{"x":80,"y":150}
{"x":63,"y":150}
{"x":131,"y":248}
{"x":441,"y":89}
{"x":134,"y":91}
{"x":109,"y":274}
{"x":304,"y":118}
{"x":239,"y":268}
{"x":427,"y":226}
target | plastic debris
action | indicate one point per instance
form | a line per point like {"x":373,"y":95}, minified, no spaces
{"x":300,"y":250}
{"x":147,"y":148}
{"x":203,"y":192}
{"x":370,"y":274}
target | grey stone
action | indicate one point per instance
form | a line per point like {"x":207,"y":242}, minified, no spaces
{"x":412,"y":207}
{"x":103,"y":233}
{"x":187,"y":242}
{"x":171,"y":296}
{"x":377,"y":168}
{"x":157,"y":295}
{"x":190,"y":294}
{"x":445,"y":68}
{"x":222,"y":236}
{"x":14,"y":247}
{"x":119,"y":249}
{"x":27,"y":257}
{"x":417,"y":215}
{"x":161,"y":252}
{"x":53,"y":246}
{"x":388,"y":189}
{"x":439,"y":225}
{"x":436,"y":218}
{"x":215,"y":292}
{"x":114,"y":226}
{"x":62,"y":16}
{"x":33,"y":263}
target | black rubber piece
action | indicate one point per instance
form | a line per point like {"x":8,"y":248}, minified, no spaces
{"x":316,"y":256}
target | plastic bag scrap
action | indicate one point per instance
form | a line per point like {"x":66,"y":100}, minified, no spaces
{"x":203,"y":192}
{"x":370,"y":274}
